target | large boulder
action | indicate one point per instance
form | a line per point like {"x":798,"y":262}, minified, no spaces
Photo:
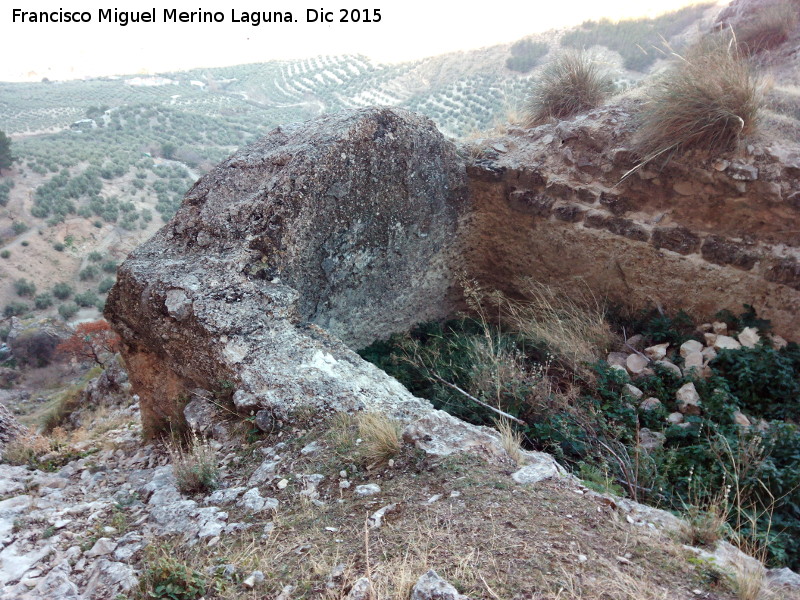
{"x":342,"y":228}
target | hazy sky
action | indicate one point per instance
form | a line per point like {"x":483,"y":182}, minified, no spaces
{"x":408,"y":29}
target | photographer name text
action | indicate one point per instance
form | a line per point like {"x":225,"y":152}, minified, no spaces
{"x":123,"y":18}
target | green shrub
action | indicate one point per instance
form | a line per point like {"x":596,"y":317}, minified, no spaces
{"x":19,"y":227}
{"x":570,"y":84}
{"x":110,"y":266}
{"x":86,"y":299}
{"x":709,"y":466}
{"x":709,"y":100}
{"x":43,"y":301}
{"x":105,"y":285}
{"x":62,"y":291}
{"x":88,"y":273}
{"x":68,"y":310}
{"x":58,"y":247}
{"x":15,"y":309}
{"x":95,"y":256}
{"x":5,"y":254}
{"x":23,"y":287}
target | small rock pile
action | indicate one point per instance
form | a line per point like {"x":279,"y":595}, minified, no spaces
{"x":638,"y":362}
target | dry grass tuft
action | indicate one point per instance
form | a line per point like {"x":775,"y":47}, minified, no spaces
{"x":747,"y":580}
{"x":769,"y":27}
{"x":570,"y":84}
{"x":709,"y":99}
{"x":511,"y":439}
{"x":195,"y":467}
{"x":380,"y":437}
{"x":573,"y":326}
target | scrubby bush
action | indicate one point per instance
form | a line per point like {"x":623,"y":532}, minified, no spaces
{"x":19,"y":227}
{"x":710,"y":99}
{"x":23,"y":287}
{"x":43,"y":301}
{"x":5,"y":254}
{"x":95,"y":256}
{"x":571,"y":83}
{"x":68,"y":310}
{"x":15,"y":309}
{"x":109,"y":266}
{"x":86,"y":299}
{"x":62,"y":291}
{"x":195,"y":468}
{"x":58,"y":247}
{"x":88,"y":273}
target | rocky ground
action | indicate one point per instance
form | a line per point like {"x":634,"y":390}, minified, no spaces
{"x":302,"y":512}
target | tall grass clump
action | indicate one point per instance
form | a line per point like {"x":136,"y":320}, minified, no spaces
{"x":570,"y":84}
{"x":574,"y":327}
{"x":709,"y":100}
{"x":195,"y":467}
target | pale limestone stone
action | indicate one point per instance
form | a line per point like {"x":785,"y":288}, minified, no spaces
{"x":724,"y":342}
{"x":688,"y":399}
{"x":690,"y":346}
{"x":748,"y":337}
{"x":657,"y":352}
{"x":636,"y":364}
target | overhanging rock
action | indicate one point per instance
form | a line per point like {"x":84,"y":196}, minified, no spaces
{"x":343,"y":226}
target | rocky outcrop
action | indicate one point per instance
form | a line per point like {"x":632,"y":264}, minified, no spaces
{"x":344,"y":226}
{"x":700,"y":233}
{"x":34,"y":341}
{"x":10,"y":428}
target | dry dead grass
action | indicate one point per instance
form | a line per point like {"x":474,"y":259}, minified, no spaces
{"x":484,"y":534}
{"x":570,"y":84}
{"x":195,"y":466}
{"x":380,"y":437}
{"x":510,"y":438}
{"x":709,"y":99}
{"x":572,"y":325}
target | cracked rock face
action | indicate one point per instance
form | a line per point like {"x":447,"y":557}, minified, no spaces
{"x":344,"y":226}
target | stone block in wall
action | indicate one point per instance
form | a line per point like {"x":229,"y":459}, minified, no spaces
{"x":570,"y":213}
{"x":532,"y":203}
{"x":786,"y":271}
{"x":587,"y":195}
{"x":560,"y":190}
{"x":485,"y":169}
{"x":617,"y":225}
{"x":677,"y":239}
{"x":618,"y":205}
{"x":722,"y":251}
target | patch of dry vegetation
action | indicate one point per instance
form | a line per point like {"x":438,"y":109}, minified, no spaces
{"x":570,"y":84}
{"x":484,"y":534}
{"x":195,"y":466}
{"x":708,"y":100}
{"x":572,"y":325}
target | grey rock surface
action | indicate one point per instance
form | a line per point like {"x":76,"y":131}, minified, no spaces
{"x":343,"y":226}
